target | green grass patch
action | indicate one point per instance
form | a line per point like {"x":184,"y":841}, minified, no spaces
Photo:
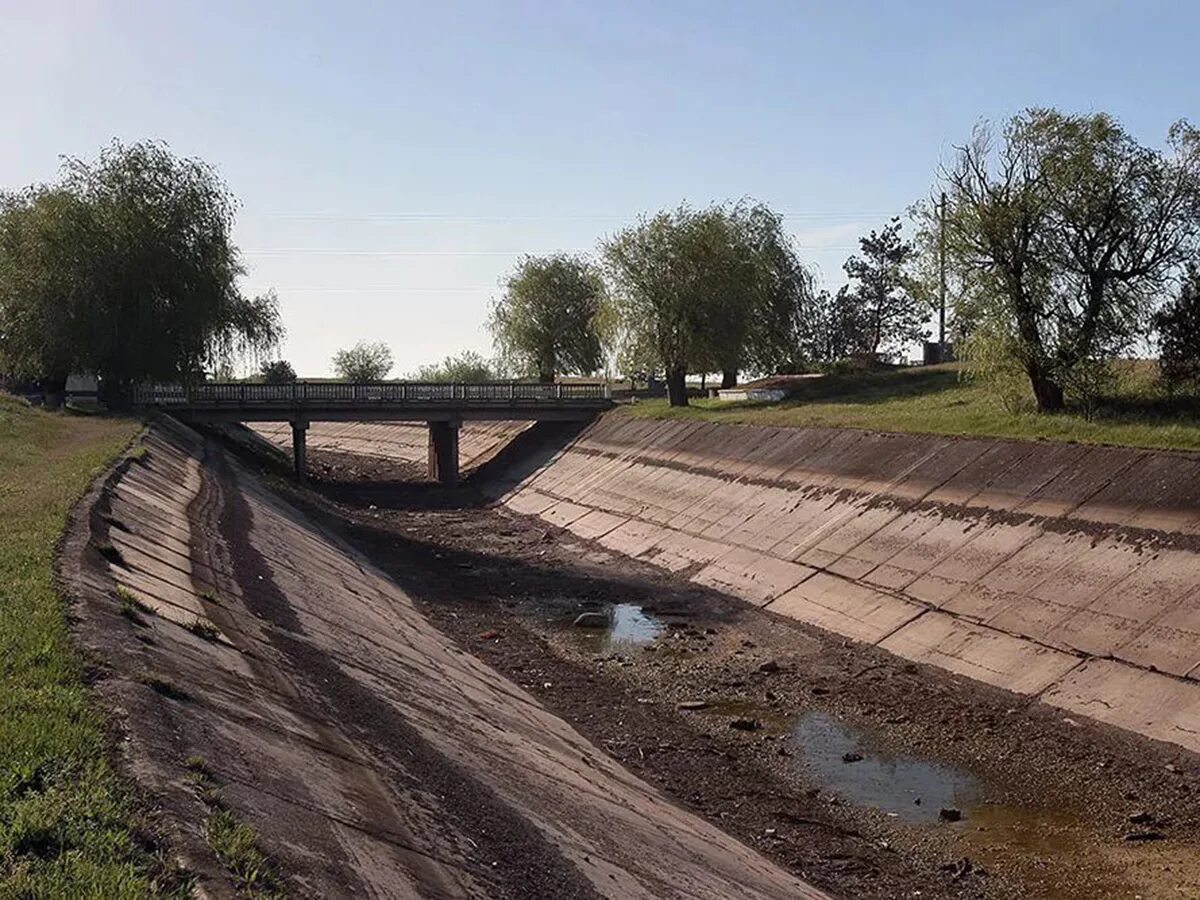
{"x":936,"y":400}
{"x":133,"y":608}
{"x":204,"y":629}
{"x":236,"y":846}
{"x":68,"y":826}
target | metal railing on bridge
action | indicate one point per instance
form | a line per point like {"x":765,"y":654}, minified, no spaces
{"x":399,"y":393}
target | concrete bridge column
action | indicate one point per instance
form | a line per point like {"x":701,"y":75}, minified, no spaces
{"x":299,"y":447}
{"x":443,"y":452}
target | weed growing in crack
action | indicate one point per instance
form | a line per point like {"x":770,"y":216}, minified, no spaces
{"x":132,"y":607}
{"x":236,"y":846}
{"x":204,"y":629}
{"x":199,"y":776}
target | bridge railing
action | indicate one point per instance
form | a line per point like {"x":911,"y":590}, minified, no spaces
{"x":304,"y":393}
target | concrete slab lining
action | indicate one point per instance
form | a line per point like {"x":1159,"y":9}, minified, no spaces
{"x":290,"y":765}
{"x":1022,"y":565}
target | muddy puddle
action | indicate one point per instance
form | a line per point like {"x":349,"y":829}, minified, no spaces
{"x":900,"y":786}
{"x":1048,"y":848}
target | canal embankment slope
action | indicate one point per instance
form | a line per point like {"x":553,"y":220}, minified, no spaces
{"x":264,"y":669}
{"x":1066,"y":572}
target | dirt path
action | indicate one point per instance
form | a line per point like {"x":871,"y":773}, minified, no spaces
{"x":745,"y":717}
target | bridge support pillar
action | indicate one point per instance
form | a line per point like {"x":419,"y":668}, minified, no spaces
{"x":443,"y":453}
{"x":300,"y":448}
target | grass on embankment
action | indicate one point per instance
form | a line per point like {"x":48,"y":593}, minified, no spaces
{"x":68,"y":827}
{"x":936,"y":400}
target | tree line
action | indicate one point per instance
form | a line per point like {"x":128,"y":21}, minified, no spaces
{"x":1059,"y":241}
{"x":692,"y":290}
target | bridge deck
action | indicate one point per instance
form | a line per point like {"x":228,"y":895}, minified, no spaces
{"x":396,"y":401}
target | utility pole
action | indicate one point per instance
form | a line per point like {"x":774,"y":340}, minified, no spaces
{"x":942,"y":281}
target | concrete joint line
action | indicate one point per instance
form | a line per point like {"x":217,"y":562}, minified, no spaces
{"x":904,"y":507}
{"x":1137,"y":460}
{"x":900,"y":627}
{"x":1057,"y":682}
{"x":379,"y":834}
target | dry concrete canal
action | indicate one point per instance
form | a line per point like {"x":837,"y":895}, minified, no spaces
{"x":659,"y":659}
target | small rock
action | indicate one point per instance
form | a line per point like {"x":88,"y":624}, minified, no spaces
{"x":770,"y":832}
{"x":1144,"y":836}
{"x":692,"y":704}
{"x":820,"y":691}
{"x":1141,"y":817}
{"x":961,"y":868}
{"x":745,"y":724}
{"x":591,"y":620}
{"x":547,"y":537}
{"x":1171,"y":767}
{"x":770,"y":667}
{"x":489,"y":635}
{"x":950,"y":814}
{"x":851,"y":757}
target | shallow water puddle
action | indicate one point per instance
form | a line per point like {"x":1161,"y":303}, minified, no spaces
{"x":630,"y":625}
{"x":627,"y":626}
{"x":1053,"y":853}
{"x":907,"y":787}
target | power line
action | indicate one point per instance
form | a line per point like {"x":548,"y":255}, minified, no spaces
{"x":330,"y":251}
{"x":562,"y":217}
{"x":376,"y":289}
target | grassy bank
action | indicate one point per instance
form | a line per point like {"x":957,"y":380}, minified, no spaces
{"x":936,"y":400}
{"x":67,"y":825}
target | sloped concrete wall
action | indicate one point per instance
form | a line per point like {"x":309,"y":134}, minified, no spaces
{"x":373,"y":755}
{"x":1067,"y":572}
{"x":401,"y":441}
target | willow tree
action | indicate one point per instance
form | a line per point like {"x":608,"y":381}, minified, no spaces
{"x":125,"y":268}
{"x":666,"y":270}
{"x":703,"y":290}
{"x":544,"y":324}
{"x":1070,"y":230}
{"x":784,"y":305}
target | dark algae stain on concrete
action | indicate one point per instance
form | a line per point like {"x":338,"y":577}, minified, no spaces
{"x":522,"y":863}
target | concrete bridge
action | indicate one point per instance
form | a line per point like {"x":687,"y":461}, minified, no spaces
{"x":443,"y":406}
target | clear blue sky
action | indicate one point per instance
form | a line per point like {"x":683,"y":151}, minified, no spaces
{"x":392,"y":159}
